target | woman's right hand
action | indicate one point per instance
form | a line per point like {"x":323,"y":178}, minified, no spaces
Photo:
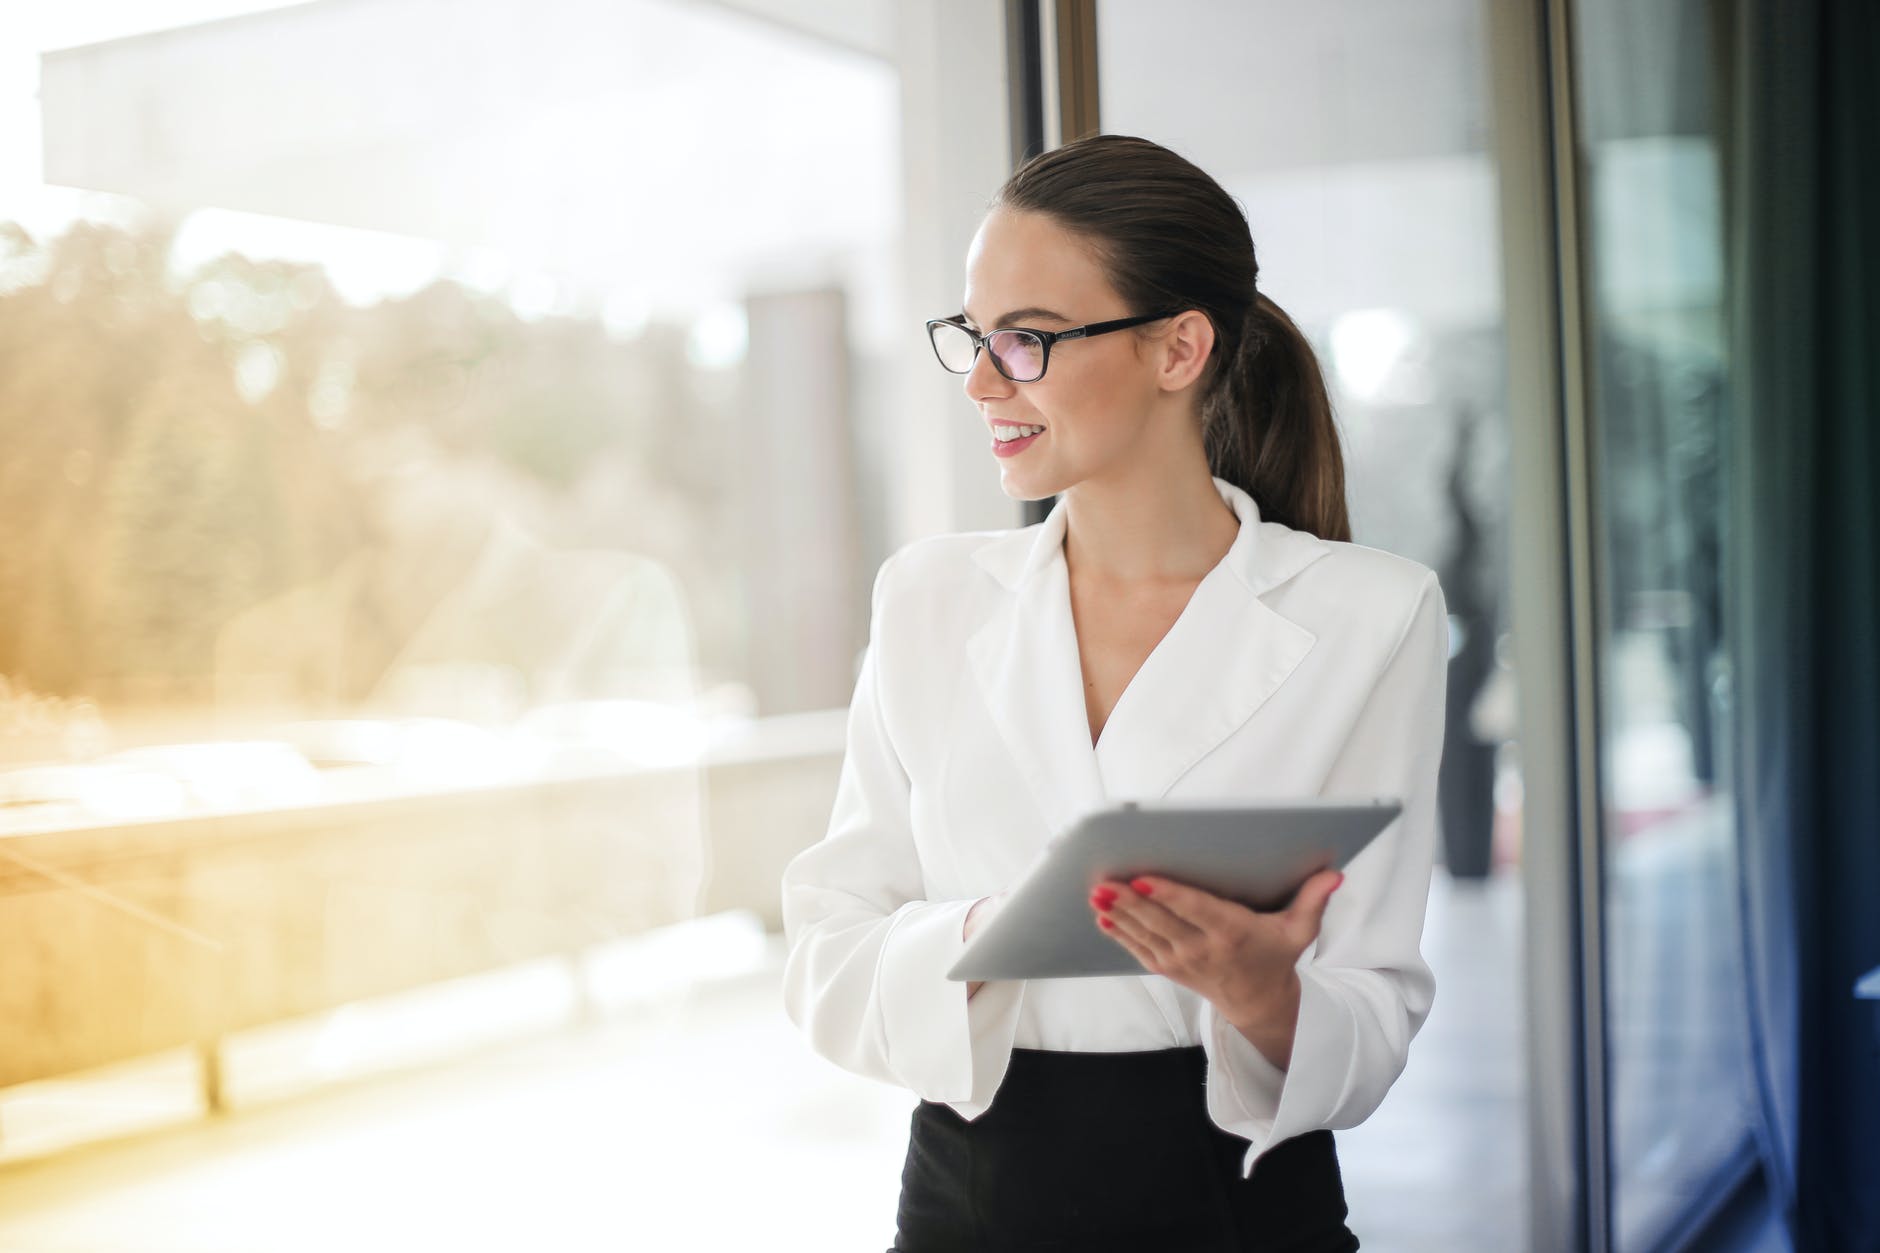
{"x":976,"y":917}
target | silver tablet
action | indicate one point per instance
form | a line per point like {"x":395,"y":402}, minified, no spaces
{"x":1259,"y":855}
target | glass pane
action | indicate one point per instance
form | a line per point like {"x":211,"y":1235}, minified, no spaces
{"x":1679,"y":1076}
{"x":440,"y":447}
{"x":1360,"y":151}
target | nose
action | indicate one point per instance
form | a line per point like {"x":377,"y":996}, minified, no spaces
{"x":984,"y":381}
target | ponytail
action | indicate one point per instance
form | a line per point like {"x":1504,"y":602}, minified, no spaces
{"x":1268,"y":428}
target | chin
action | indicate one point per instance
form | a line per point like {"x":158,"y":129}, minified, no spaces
{"x":1025,"y":491}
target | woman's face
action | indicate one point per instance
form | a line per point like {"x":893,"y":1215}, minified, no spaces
{"x":1099,"y":397}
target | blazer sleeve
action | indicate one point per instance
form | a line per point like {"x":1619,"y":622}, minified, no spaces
{"x":1365,"y":989}
{"x":865,"y":974}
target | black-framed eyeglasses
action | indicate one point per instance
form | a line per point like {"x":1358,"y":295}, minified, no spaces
{"x":1018,"y":352}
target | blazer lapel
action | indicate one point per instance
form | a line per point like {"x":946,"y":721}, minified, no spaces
{"x":1024,"y":660}
{"x":1222,"y":659}
{"x":1224,"y":656}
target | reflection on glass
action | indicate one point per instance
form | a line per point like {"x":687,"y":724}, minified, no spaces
{"x":1679,"y":1095}
{"x":295,"y":526}
{"x":409,"y":444}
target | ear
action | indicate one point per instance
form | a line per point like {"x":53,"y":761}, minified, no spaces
{"x":1186,"y":344}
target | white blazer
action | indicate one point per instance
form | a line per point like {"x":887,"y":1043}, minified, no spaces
{"x":1298,"y":668}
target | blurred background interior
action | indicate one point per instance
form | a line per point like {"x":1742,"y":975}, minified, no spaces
{"x":444,"y":454}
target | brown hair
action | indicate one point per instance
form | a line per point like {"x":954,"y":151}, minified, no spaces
{"x":1168,"y":236}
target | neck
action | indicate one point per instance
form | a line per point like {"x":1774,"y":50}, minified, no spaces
{"x":1147,"y":527}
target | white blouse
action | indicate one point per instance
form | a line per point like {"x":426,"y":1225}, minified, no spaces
{"x":1299,"y":668}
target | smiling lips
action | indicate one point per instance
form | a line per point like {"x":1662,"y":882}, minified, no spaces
{"x":1002,"y":447}
{"x":1006,"y":431}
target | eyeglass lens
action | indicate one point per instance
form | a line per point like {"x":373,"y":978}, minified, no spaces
{"x":1019,"y":355}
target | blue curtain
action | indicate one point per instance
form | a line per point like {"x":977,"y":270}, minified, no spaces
{"x":1803,"y":196}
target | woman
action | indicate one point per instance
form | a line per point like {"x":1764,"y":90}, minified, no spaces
{"x":1190,"y":621}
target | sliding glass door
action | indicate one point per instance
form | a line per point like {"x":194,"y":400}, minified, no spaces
{"x":1679,"y":1103}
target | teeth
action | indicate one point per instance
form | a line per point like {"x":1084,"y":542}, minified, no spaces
{"x":1015,"y":432}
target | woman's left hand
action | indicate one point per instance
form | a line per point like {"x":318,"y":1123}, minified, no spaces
{"x":1242,"y":960}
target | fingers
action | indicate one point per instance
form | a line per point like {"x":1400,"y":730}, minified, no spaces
{"x":1141,"y":916}
{"x":1162,"y":919}
{"x":1137,"y":949}
{"x":1153,"y":912}
{"x":1190,"y":904}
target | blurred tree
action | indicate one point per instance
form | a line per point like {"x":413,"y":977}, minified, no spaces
{"x":184,"y":535}
{"x":174,"y":448}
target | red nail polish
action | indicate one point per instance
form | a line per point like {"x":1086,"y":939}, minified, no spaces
{"x":1104,"y":903}
{"x":1142,"y":886}
{"x":1105,"y":923}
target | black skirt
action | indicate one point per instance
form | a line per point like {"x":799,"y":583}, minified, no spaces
{"x":1094,"y":1151}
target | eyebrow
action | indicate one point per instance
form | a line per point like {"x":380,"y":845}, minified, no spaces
{"x":1030,"y":311}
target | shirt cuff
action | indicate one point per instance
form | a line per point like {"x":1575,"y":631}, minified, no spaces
{"x":1256,"y":1100}
{"x":941,"y":1045}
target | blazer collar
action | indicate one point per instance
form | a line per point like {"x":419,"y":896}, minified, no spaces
{"x":1224,"y":656}
{"x":1263,"y":555}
